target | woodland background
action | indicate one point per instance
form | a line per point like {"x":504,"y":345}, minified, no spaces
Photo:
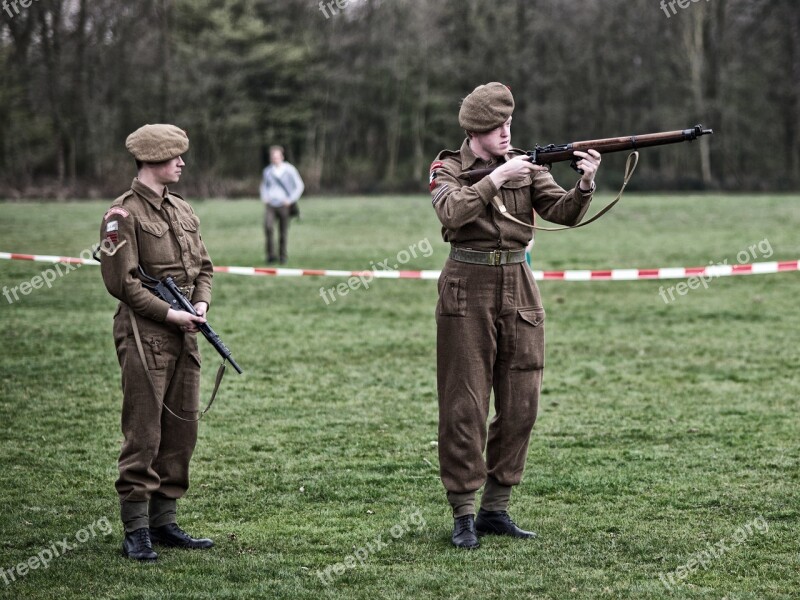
{"x":364,"y":99}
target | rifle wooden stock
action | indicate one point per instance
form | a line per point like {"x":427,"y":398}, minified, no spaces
{"x":550,"y":154}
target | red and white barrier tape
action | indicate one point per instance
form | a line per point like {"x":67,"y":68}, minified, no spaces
{"x":573,"y":275}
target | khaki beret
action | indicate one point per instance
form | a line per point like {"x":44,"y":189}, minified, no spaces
{"x":157,"y":143}
{"x":487,"y":107}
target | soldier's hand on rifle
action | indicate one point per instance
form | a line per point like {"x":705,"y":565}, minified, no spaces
{"x":516,"y":169}
{"x":186,"y":321}
{"x":588,"y":163}
{"x":201,"y":308}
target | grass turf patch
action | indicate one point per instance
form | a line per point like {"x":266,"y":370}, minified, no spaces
{"x":664,"y":427}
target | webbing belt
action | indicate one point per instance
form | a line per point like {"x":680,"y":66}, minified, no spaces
{"x":495,"y":258}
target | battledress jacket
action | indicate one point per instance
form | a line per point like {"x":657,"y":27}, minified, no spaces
{"x":160,"y":233}
{"x":470,"y":221}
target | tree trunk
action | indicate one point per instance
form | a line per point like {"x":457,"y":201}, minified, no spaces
{"x":164,"y":11}
{"x":694,"y":43}
{"x":793,"y":112}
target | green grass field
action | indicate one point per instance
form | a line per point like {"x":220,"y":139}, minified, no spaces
{"x":665,"y":429}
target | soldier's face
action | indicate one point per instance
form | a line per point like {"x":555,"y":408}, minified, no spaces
{"x":495,"y":142}
{"x":169,"y":171}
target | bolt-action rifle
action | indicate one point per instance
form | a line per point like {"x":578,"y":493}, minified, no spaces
{"x":547,"y":155}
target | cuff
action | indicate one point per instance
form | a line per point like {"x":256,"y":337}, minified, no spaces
{"x":202,"y":295}
{"x":462,"y":504}
{"x":163,"y":511}
{"x":588,"y":192}
{"x":496,"y":496}
{"x":157,"y":310}
{"x":134,"y":514}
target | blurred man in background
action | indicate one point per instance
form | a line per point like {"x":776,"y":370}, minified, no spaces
{"x":281,"y":188}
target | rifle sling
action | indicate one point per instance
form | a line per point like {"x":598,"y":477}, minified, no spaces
{"x":217,"y":381}
{"x":630,"y":167}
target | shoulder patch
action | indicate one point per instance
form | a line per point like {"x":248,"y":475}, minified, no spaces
{"x":116,"y":210}
{"x":449,"y":160}
{"x":116,"y":206}
{"x":434,"y":172}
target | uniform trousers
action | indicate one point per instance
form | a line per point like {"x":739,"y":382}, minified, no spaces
{"x":157,"y":447}
{"x":490,"y":337}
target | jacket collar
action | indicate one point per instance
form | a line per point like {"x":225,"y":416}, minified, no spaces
{"x":149,"y":194}
{"x":469,"y":158}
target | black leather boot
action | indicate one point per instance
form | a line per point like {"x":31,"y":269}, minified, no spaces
{"x":137,"y":545}
{"x":497,"y":522}
{"x":464,"y":535}
{"x":173,"y":536}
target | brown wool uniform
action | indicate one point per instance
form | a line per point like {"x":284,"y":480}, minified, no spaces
{"x":162,"y":235}
{"x":490,"y":327}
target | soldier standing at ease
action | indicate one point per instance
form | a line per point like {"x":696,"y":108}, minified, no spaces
{"x":490,"y":319}
{"x":151,"y":227}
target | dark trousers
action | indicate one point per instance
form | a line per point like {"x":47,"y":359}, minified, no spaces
{"x":157,"y":447}
{"x":281,"y":213}
{"x":490,"y":336}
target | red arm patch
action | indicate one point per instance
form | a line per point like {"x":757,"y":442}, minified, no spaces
{"x":117,"y":210}
{"x":432,"y":180}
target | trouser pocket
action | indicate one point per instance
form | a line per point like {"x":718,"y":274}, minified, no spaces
{"x":154,"y":352}
{"x":529,"y":352}
{"x":453,"y":296}
{"x":191,"y":382}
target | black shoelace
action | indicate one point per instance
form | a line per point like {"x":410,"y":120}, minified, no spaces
{"x":175,"y":529}
{"x":507,"y":518}
{"x":142,"y":537}
{"x":462,"y":523}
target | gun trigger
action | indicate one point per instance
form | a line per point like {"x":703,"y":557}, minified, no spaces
{"x":574,"y":164}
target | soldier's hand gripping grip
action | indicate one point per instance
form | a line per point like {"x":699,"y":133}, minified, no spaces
{"x":176,"y":297}
{"x":172,"y":295}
